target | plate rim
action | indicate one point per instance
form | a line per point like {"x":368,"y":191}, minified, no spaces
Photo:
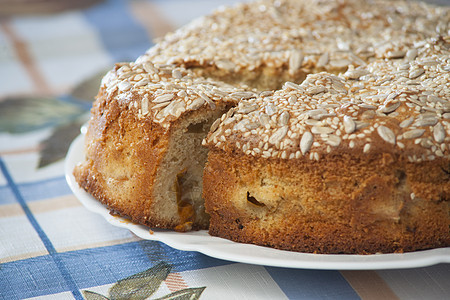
{"x":219,"y":248}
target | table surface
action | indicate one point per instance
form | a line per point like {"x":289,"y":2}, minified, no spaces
{"x":51,"y":246}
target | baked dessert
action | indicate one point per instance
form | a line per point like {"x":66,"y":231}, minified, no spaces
{"x":143,"y":154}
{"x":330,"y":128}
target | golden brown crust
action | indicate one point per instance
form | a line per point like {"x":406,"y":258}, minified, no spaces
{"x":343,"y":204}
{"x":120,"y":166}
{"x":131,"y":132}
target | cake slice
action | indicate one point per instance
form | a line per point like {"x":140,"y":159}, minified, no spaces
{"x":143,"y":148}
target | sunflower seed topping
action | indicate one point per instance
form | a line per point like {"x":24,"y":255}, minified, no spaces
{"x":333,"y":140}
{"x":306,"y":142}
{"x":284,"y":118}
{"x":163,"y":98}
{"x":124,"y":86}
{"x":321,"y":130}
{"x":412,"y":134}
{"x":278,"y":135}
{"x":428,"y":121}
{"x":342,"y":85}
{"x":407,"y":122}
{"x":349,"y":124}
{"x":439,"y":133}
{"x":264,"y":119}
{"x":413,"y":74}
{"x":356,"y":73}
{"x":386,"y":134}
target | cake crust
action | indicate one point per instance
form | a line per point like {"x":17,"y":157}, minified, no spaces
{"x":342,"y":204}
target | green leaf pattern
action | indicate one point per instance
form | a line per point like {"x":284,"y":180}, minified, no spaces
{"x":64,"y":115}
{"x":143,"y":285}
{"x":185,"y":294}
{"x":88,"y":295}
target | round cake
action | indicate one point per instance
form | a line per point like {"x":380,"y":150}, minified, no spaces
{"x":327,"y":128}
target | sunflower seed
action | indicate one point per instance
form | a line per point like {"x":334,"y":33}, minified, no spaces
{"x":439,"y":133}
{"x":389,"y":108}
{"x":316,"y":90}
{"x":313,"y":122}
{"x":252,"y":125}
{"x":163,"y":98}
{"x":321,"y":130}
{"x":270,"y":109}
{"x":349,"y":124}
{"x":142,"y":82}
{"x":396,"y":54}
{"x":266,"y":94}
{"x":264,"y":119}
{"x":215,"y":125}
{"x":333,"y":140}
{"x":315,"y":112}
{"x":278,"y":135}
{"x":306,"y":142}
{"x":211,"y":103}
{"x":144,"y":106}
{"x":160,"y":105}
{"x":240,"y":126}
{"x":149,"y":68}
{"x":386,"y":134}
{"x":175,"y":109}
{"x":428,"y":121}
{"x":124,"y":86}
{"x":412,"y":134}
{"x":284,"y":118}
{"x":243,"y":95}
{"x":246,"y":107}
{"x":361,"y":125}
{"x":407,"y":122}
{"x":433,"y":98}
{"x":356,"y":73}
{"x":196,"y":103}
{"x":293,"y":86}
{"x":413,"y":74}
{"x":367,"y":106}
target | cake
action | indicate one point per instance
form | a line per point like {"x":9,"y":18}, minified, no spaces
{"x":325,"y":127}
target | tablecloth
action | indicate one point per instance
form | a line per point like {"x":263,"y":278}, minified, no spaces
{"x":51,"y":246}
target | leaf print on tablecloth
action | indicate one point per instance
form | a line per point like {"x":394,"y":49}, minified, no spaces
{"x":141,"y":285}
{"x":144,"y":284}
{"x":186,"y":294}
{"x":56,"y":145}
{"x":88,"y":295}
{"x":21,"y":115}
{"x":88,"y":88}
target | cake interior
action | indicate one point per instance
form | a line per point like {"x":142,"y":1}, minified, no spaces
{"x":179,"y":179}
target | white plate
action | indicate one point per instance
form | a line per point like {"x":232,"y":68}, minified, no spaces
{"x":220,"y":248}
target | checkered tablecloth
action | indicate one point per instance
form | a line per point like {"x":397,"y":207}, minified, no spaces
{"x":51,"y":247}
